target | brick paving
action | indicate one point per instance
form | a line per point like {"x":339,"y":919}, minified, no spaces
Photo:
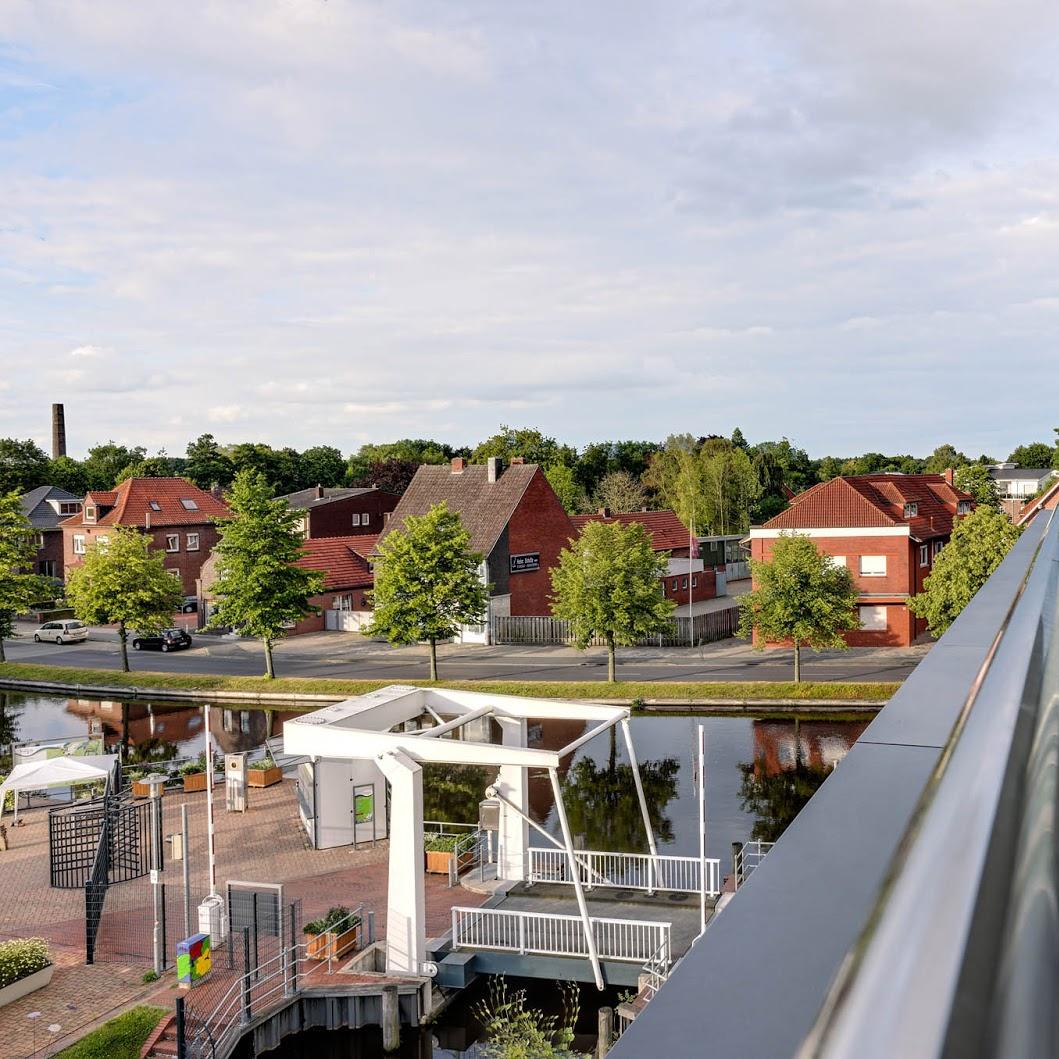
{"x":265,"y":844}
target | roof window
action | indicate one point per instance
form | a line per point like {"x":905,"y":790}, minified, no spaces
{"x":155,"y":506}
{"x":189,"y":505}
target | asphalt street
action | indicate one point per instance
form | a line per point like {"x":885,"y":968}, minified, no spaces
{"x":349,"y":655}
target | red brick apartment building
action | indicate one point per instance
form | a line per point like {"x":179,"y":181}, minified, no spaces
{"x":176,"y":515}
{"x":684,"y":582}
{"x":887,"y":529}
{"x":342,"y":512}
{"x":514,"y":518}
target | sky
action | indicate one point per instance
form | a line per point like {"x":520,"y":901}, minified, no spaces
{"x":332,"y":222}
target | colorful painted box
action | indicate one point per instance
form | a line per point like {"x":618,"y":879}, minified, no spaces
{"x":193,"y":959}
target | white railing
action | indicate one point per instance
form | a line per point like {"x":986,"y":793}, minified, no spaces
{"x":626,"y":871}
{"x":655,"y":972}
{"x":747,"y":858}
{"x":543,"y":934}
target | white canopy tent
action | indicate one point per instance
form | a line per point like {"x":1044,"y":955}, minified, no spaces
{"x":55,"y":772}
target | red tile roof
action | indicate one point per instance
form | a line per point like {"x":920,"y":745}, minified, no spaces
{"x":667,"y":532}
{"x":131,"y":504}
{"x":340,"y":560}
{"x":871,"y":500}
{"x":1048,"y":499}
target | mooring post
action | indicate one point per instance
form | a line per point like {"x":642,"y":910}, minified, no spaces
{"x":391,"y":1019}
{"x":606,"y":1032}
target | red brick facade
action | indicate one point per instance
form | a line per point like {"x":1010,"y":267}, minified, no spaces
{"x":51,"y":558}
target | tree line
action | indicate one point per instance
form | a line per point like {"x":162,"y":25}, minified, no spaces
{"x":717,"y":484}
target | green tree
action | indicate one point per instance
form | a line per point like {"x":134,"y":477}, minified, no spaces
{"x":608,"y":585}
{"x":942,"y":458}
{"x":561,"y":479}
{"x":393,"y":475}
{"x":323,"y":465}
{"x":1036,"y":454}
{"x":978,"y":545}
{"x":18,"y":550}
{"x":123,"y":582}
{"x":207,"y":464}
{"x":974,"y":478}
{"x":801,"y":596}
{"x":738,"y":440}
{"x":427,"y":582}
{"x":281,"y":468}
{"x":23,"y":465}
{"x":160,"y":466}
{"x":407,"y":451}
{"x":601,"y":458}
{"x":799,"y":472}
{"x":104,"y":463}
{"x":531,"y":445}
{"x":260,"y":591}
{"x":619,"y":491}
{"x":69,"y":474}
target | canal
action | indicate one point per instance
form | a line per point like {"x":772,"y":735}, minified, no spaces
{"x":759,"y":773}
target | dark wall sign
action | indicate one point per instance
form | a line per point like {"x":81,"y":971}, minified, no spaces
{"x":525,"y":564}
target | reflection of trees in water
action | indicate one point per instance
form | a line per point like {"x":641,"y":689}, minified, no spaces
{"x":452,"y":792}
{"x":601,"y":801}
{"x":8,"y":729}
{"x":777,"y":799}
{"x":148,"y":750}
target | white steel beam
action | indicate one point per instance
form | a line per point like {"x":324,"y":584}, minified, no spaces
{"x":591,"y":734}
{"x":456,"y":722}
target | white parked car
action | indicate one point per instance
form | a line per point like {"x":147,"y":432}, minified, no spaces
{"x":60,"y":632}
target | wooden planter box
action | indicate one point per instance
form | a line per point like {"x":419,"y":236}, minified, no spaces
{"x":438,"y":861}
{"x":264,"y":777}
{"x":142,"y":789}
{"x":196,"y":781}
{"x":331,"y":946}
{"x":24,"y":986}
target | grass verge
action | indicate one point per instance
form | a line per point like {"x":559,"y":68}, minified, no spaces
{"x":120,"y":1038}
{"x":690,"y":691}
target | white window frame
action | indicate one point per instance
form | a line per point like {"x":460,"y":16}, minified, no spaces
{"x":172,"y":537}
{"x":866,"y":567}
{"x":676,"y":581}
{"x":365,"y":519}
{"x":963,"y":507}
{"x":79,"y":544}
{"x":872,"y":625}
{"x":911,"y":509}
{"x":90,"y":514}
{"x":175,"y":573}
{"x":191,"y":542}
{"x":924,"y":555}
{"x":938,"y":545}
{"x":836,"y":561}
{"x":355,"y":519}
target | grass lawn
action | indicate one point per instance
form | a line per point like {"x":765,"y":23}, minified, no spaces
{"x":120,"y":1038}
{"x":689,"y":691}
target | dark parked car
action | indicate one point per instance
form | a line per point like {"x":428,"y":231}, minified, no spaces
{"x":190,"y":605}
{"x":166,"y":640}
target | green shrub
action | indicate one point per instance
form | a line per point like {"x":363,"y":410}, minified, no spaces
{"x":120,"y":1038}
{"x":440,"y":843}
{"x":338,"y":917}
{"x":264,"y":764}
{"x":21,"y":958}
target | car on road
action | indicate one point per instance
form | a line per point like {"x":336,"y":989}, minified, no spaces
{"x":60,"y":632}
{"x":189,"y":605}
{"x":166,"y":640}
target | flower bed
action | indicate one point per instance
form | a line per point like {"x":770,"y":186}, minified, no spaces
{"x":332,"y":936}
{"x":25,"y":965}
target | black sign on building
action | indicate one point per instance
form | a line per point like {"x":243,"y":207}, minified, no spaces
{"x":527,"y":563}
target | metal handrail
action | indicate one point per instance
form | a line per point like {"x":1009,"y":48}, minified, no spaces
{"x":627,"y":871}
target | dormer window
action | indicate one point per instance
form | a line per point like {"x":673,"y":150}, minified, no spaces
{"x":911,"y":509}
{"x":189,"y":505}
{"x":963,"y":507}
{"x":90,"y":514}
{"x":154,"y":505}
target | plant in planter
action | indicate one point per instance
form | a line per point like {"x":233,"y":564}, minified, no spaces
{"x":194,"y":774}
{"x":25,"y":965}
{"x":440,"y":849}
{"x":264,"y":773}
{"x":330,"y":937}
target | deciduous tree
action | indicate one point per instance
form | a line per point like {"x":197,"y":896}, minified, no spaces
{"x":260,"y":590}
{"x":978,"y":545}
{"x":123,"y":582}
{"x":18,"y":549}
{"x":571,"y":495}
{"x":974,"y":478}
{"x":531,"y":445}
{"x":207,"y":464}
{"x":104,"y":463}
{"x":801,"y":596}
{"x":23,"y":465}
{"x":428,"y":582}
{"x":621,"y":492}
{"x":608,"y":585}
{"x":1037,"y":454}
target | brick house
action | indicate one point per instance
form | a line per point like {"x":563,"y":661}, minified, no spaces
{"x":684,"y":582}
{"x":47,"y":507}
{"x":515,"y":520}
{"x":348,"y":580}
{"x":1047,"y":501}
{"x":887,"y":529}
{"x":176,"y":515}
{"x":342,"y":512}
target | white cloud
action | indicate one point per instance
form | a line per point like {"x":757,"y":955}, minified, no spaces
{"x":226,"y":413}
{"x":90,"y":352}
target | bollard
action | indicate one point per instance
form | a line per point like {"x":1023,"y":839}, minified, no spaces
{"x":391,"y":1019}
{"x":606,"y":1032}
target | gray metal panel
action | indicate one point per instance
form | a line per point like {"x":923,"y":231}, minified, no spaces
{"x":754,"y":983}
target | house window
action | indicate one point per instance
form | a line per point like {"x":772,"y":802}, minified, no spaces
{"x":873,"y":619}
{"x":963,"y":507}
{"x":938,"y":545}
{"x":192,"y":543}
{"x":924,"y":555}
{"x":47,"y":568}
{"x":365,"y":518}
{"x":154,"y":505}
{"x":40,"y":540}
{"x":873,"y":566}
{"x":836,"y":561}
{"x":911,"y":510}
{"x":675,"y":583}
{"x":172,"y":542}
{"x":356,"y":519}
{"x":175,"y":573}
{"x":189,"y":505}
{"x":69,"y":507}
{"x":90,"y":514}
{"x":684,"y":583}
{"x":694,"y":582}
{"x":79,"y":544}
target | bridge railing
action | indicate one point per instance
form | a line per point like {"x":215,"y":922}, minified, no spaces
{"x":546,"y":934}
{"x":746,"y":858}
{"x":626,"y":871}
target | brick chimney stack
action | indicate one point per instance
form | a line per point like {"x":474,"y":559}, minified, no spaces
{"x":458,"y":464}
{"x":58,"y":431}
{"x":949,"y":475}
{"x":319,"y":492}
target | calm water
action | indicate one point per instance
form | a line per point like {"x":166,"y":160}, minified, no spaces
{"x":758,"y":775}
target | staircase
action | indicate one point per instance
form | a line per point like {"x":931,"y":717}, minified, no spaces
{"x":162,"y":1044}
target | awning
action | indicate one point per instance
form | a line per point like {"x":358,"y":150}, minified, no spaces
{"x":55,"y":772}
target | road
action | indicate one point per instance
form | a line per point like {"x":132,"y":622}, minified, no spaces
{"x":348,"y":655}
